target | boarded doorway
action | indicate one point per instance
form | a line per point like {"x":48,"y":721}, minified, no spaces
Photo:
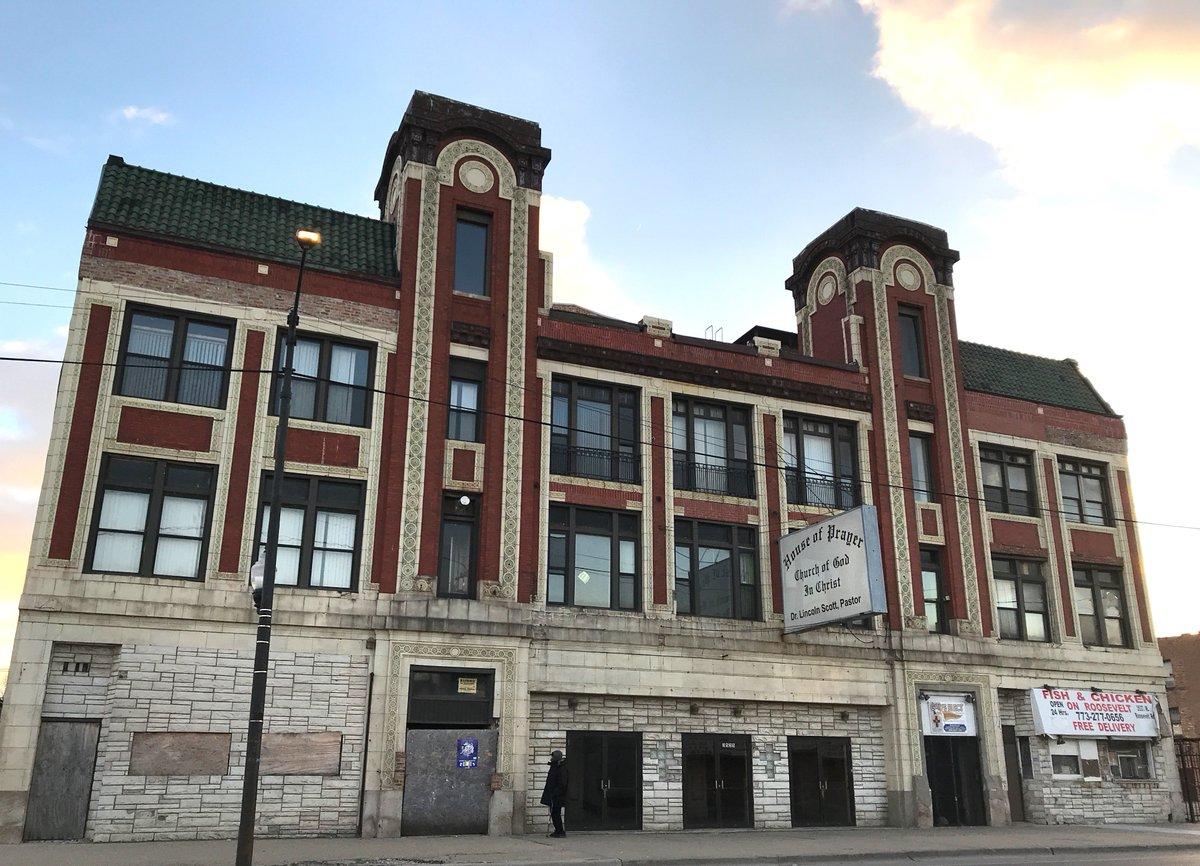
{"x":62,"y":779}
{"x":450,"y":752}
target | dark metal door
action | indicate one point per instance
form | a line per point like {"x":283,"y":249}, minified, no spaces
{"x":952,"y":768}
{"x":604,"y":785}
{"x":61,"y":788}
{"x":716,"y":781}
{"x":1012,"y":769}
{"x":821,"y":781}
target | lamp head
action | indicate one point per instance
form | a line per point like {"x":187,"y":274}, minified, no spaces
{"x":308,"y":238}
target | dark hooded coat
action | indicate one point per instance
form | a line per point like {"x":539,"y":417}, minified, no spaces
{"x":555,"y":792}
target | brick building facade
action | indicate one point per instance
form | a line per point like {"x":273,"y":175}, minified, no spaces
{"x":512,"y":526}
{"x":1181,"y":657}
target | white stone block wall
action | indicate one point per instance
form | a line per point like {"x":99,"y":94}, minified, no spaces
{"x":662,"y":721}
{"x":1075,"y":801}
{"x":178,"y":689}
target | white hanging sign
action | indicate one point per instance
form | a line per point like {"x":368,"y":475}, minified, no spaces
{"x":1062,"y":712}
{"x":832,"y":570}
{"x":948,"y":716}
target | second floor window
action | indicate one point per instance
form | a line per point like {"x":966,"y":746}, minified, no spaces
{"x":456,"y":565}
{"x":178,"y":358}
{"x":912,"y":342}
{"x":1021,"y":599}
{"x":920,"y":452}
{"x":152,"y":518}
{"x":593,"y":560}
{"x":466,"y":400}
{"x":934,"y":591}
{"x":819,"y":462}
{"x":320,"y":531}
{"x":711,"y":444}
{"x":330,"y":380}
{"x":1007,"y":480}
{"x":594,"y":431}
{"x":471,"y":232}
{"x":1084,"y":492}
{"x":1100,"y":603}
{"x":716,"y":570}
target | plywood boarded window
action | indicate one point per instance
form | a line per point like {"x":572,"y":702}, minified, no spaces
{"x":313,"y":754}
{"x":179,"y":753}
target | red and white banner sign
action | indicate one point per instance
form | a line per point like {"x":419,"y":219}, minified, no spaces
{"x":1096,"y":715}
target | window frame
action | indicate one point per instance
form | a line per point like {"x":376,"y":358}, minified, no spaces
{"x":570,"y":528}
{"x":917,"y":316}
{"x":688,"y":463}
{"x":1003,"y":456}
{"x":932,"y":561}
{"x":1013,"y":574}
{"x":464,"y":515}
{"x":1089,"y":581}
{"x":617,"y":392}
{"x":307,"y":547}
{"x":1115,"y":750}
{"x":157,"y":492}
{"x":479,"y":218}
{"x":322,"y":379}
{"x":475,"y":372}
{"x":795,"y":476}
{"x":929,"y":494}
{"x":736,"y":548}
{"x":1084,"y":751}
{"x":175,"y":361}
{"x":1073,"y":467}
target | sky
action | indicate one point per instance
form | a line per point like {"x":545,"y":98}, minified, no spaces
{"x":697,"y":146}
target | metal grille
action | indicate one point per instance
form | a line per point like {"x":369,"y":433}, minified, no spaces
{"x":1187,"y":752}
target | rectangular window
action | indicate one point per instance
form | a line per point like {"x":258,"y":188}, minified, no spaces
{"x":1175,"y":715}
{"x":152,"y":518}
{"x":594,"y":431}
{"x":331,"y":380}
{"x":471,"y":231}
{"x":1100,"y":603}
{"x":920,"y":453}
{"x":716,"y":570}
{"x":320,"y":531}
{"x":1007,"y":480}
{"x":465,"y":415}
{"x":1130,"y":761}
{"x":819,"y":459}
{"x":912,"y":342}
{"x":1075,"y":759}
{"x":1021,"y":599}
{"x":711,"y":446}
{"x":174,"y":357}
{"x":933,"y":588}
{"x":1084,"y":492}
{"x":456,"y":563}
{"x":593,"y":558}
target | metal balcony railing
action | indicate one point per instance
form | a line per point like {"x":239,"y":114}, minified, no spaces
{"x":821,"y":491}
{"x":735,"y":478}
{"x":595,"y":463}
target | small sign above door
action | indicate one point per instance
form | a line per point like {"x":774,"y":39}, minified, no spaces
{"x":947,"y":716}
{"x":467,"y":685}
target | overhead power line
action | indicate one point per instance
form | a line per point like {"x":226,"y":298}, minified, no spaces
{"x":541,"y":423}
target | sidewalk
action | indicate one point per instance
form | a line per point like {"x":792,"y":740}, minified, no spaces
{"x":628,"y":849}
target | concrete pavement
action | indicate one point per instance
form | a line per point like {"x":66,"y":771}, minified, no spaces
{"x":1027,"y":843}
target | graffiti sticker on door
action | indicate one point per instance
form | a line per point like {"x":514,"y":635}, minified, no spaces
{"x":468,"y":753}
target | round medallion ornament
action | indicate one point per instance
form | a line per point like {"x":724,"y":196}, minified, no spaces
{"x":908,"y":276}
{"x":826,"y":289}
{"x":475,"y":176}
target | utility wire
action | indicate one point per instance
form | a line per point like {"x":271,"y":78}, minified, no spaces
{"x":539,"y":422}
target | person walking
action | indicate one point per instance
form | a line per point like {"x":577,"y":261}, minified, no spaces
{"x":554,"y":794}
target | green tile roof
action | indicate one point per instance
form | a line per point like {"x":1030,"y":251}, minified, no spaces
{"x":1028,"y":377}
{"x":144,"y":201}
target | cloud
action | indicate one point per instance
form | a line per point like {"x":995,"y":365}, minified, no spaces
{"x":1087,"y":255}
{"x":146,"y":115}
{"x":797,"y":7}
{"x":579,"y":278}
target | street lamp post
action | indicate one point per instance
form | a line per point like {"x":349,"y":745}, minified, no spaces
{"x":262,"y":650}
